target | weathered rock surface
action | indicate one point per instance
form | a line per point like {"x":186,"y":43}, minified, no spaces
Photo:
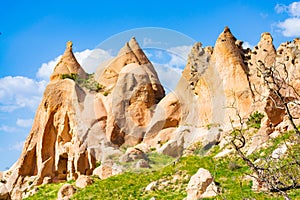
{"x":83,"y":181}
{"x":4,"y":193}
{"x":201,"y":185}
{"x":135,"y":89}
{"x":142,"y":163}
{"x":66,"y":192}
{"x":107,"y":169}
{"x":133,"y":154}
{"x":67,"y":136}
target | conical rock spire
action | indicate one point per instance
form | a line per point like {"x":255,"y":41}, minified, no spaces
{"x":68,"y":65}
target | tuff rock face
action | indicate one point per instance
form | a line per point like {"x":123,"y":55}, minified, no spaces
{"x":135,"y":89}
{"x":76,"y":127}
{"x":66,"y":133}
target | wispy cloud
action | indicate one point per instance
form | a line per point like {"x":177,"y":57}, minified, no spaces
{"x":150,"y":42}
{"x":290,"y":27}
{"x":169,"y":72}
{"x":8,"y":129}
{"x":24,"y":122}
{"x":18,"y":146}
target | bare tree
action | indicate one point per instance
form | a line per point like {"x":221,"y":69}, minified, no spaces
{"x":275,"y":174}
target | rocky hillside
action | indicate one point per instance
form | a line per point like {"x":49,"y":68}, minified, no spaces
{"x":107,"y":123}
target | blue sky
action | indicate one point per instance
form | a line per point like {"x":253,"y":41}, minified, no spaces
{"x":33,"y":35}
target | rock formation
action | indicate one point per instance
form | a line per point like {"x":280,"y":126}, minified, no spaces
{"x":68,"y":65}
{"x":135,"y":89}
{"x":65,"y":138}
{"x":77,"y":126}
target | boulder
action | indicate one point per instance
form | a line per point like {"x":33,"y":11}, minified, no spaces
{"x":107,"y":169}
{"x":152,"y":186}
{"x":66,"y":192}
{"x":167,"y":114}
{"x":201,"y":185}
{"x":83,"y":181}
{"x":172,"y":148}
{"x":133,"y":154}
{"x":142,"y":164}
{"x":161,"y":138}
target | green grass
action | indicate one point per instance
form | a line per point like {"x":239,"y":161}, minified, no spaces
{"x":254,"y":120}
{"x":48,"y":191}
{"x":229,"y":174}
{"x":272,"y":145}
{"x":131,"y":185}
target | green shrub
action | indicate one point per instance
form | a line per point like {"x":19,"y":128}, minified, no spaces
{"x":72,"y":76}
{"x":254,"y":121}
{"x":98,"y":164}
{"x":105,"y":93}
{"x":152,"y":149}
{"x":89,"y":83}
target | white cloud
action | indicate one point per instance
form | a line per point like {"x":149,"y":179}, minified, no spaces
{"x":20,"y":92}
{"x":150,"y":42}
{"x":90,"y":59}
{"x":169,"y":72}
{"x":182,"y":51}
{"x":18,"y":146}
{"x":46,"y":69}
{"x":24,"y":122}
{"x":294,"y":9}
{"x":281,"y":8}
{"x":247,"y":45}
{"x":179,"y":56}
{"x":290,"y":27}
{"x":8,"y":129}
{"x":168,"y":75}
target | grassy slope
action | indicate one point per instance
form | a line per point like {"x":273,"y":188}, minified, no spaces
{"x":229,"y":174}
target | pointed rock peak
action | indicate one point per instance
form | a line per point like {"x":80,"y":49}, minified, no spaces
{"x":125,"y":49}
{"x":266,"y":38}
{"x":226,"y":35}
{"x":67,"y":65}
{"x":69,"y":45}
{"x":131,"y":52}
{"x":130,"y":46}
{"x":227,"y":30}
{"x":134,"y":45}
